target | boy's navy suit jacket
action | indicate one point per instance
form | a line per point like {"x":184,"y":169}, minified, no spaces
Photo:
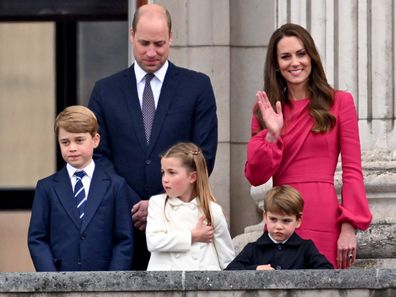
{"x":103,"y":240}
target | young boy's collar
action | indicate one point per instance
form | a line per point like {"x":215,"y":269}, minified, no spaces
{"x":88,"y":170}
{"x":276,"y":242}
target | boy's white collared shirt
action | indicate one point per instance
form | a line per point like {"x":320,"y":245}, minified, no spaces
{"x":86,"y":180}
{"x":276,"y":242}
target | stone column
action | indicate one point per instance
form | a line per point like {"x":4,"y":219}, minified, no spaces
{"x":131,"y":12}
{"x":251,"y":25}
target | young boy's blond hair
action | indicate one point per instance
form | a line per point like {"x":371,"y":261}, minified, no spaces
{"x":76,"y":119}
{"x":284,"y":200}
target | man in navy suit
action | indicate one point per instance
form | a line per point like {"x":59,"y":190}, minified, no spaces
{"x":185,"y":110}
{"x":90,"y":227}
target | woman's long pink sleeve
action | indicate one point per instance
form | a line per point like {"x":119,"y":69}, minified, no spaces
{"x":263,"y":157}
{"x":354,"y":207}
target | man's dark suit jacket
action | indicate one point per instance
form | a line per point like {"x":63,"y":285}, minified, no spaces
{"x":59,"y":241}
{"x":186,"y":112}
{"x":295,"y":253}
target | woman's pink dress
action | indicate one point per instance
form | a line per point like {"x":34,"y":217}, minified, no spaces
{"x":307,"y":161}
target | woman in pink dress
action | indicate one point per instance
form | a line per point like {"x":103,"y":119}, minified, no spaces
{"x":300,"y":126}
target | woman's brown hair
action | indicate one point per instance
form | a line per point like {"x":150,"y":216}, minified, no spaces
{"x":275,"y":85}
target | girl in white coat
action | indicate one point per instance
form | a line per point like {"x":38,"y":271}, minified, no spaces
{"x":186,"y":229}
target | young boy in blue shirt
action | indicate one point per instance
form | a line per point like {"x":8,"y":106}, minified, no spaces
{"x":280,"y":247}
{"x":81,"y":214}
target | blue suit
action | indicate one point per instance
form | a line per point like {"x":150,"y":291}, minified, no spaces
{"x":59,"y":241}
{"x":186,"y":112}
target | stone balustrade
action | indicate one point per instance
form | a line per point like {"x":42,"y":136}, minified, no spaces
{"x":354,"y":282}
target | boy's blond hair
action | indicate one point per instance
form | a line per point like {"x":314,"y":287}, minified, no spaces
{"x":76,"y":119}
{"x":284,"y":200}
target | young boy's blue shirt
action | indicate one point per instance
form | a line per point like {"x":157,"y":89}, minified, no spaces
{"x":59,"y":240}
{"x":295,"y":253}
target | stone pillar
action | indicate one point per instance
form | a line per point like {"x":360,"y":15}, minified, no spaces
{"x":251,"y":25}
{"x":131,"y":12}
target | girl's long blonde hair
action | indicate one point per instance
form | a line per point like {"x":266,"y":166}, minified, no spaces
{"x":193,"y":160}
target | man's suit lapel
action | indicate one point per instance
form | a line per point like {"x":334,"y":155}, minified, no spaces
{"x":132,"y":102}
{"x":167,"y":93}
{"x":133,"y":106}
{"x":97,"y":190}
{"x":63,"y":189}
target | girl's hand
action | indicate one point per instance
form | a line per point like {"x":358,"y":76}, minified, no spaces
{"x":346,"y":246}
{"x":273,"y":120}
{"x":264,"y":267}
{"x":202,"y":232}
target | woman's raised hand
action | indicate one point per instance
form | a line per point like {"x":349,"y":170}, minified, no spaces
{"x":273,"y":120}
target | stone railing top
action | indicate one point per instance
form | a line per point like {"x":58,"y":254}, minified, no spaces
{"x":197,"y":280}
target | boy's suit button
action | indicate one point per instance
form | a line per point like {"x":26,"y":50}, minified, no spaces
{"x":148,"y":162}
{"x":82,"y":237}
{"x":279,"y":247}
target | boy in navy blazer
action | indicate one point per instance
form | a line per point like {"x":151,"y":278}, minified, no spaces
{"x":280,"y":247}
{"x":88,"y":230}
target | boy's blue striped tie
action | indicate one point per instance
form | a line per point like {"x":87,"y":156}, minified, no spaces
{"x":79,"y":193}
